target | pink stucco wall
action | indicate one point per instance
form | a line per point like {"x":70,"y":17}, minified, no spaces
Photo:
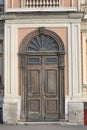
{"x":76,"y":3}
{"x":8,"y":4}
{"x":67,"y":3}
{"x":16,"y":4}
{"x":63,"y":33}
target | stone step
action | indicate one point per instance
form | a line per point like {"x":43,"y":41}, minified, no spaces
{"x":47,"y":123}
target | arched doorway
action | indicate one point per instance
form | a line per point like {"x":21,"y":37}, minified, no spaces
{"x":42,"y":76}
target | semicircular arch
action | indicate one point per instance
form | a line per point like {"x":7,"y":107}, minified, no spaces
{"x":41,"y":31}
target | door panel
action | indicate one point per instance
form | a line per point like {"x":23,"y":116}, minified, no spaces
{"x":34,"y":82}
{"x":51,"y":106}
{"x":42,"y":91}
{"x":33,"y":94}
{"x":34,"y":108}
{"x":51,"y":82}
{"x":51,"y":109}
{"x":34,"y":105}
{"x":51,"y":94}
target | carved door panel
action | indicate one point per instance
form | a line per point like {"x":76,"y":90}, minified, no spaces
{"x":34,"y":94}
{"x":42,"y":91}
{"x":51,"y":94}
{"x":34,"y":88}
{"x":51,"y":90}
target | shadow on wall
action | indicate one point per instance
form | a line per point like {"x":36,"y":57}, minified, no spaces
{"x":1,"y":116}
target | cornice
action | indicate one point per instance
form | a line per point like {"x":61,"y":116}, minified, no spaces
{"x":43,"y":21}
{"x":28,"y":15}
{"x":42,"y":18}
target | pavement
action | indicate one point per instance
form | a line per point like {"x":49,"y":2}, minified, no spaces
{"x":42,"y":127}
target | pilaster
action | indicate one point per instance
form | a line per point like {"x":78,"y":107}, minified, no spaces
{"x":11,"y":62}
{"x":76,"y":61}
{"x":11,"y":103}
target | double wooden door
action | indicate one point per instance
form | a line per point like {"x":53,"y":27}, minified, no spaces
{"x":42,"y":93}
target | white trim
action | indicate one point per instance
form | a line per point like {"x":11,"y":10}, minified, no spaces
{"x":42,"y":21}
{"x":50,"y":9}
{"x":70,"y":87}
{"x":72,"y":3}
{"x":48,"y":19}
{"x":11,"y":61}
{"x":79,"y":60}
{"x":30,"y":23}
{"x":41,"y":25}
{"x":11,"y":2}
{"x":14,"y":69}
{"x":7,"y":53}
{"x":84,"y":37}
{"x":76,"y":60}
{"x":79,"y":4}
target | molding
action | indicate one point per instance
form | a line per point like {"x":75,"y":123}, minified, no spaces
{"x":70,"y":87}
{"x":43,"y":31}
{"x":45,"y":21}
{"x":74,"y":67}
{"x":84,"y":38}
{"x":79,"y":4}
{"x":41,"y":15}
{"x":42,"y":20}
{"x":36,"y":25}
{"x":11,"y":70}
{"x":76,"y":60}
{"x":44,"y":9}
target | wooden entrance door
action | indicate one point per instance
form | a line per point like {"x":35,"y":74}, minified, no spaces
{"x":42,"y":76}
{"x":42,"y":101}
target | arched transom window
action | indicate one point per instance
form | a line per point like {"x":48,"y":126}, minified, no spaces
{"x":42,"y":43}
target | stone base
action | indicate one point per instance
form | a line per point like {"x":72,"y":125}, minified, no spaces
{"x":76,"y":112}
{"x":10,"y":113}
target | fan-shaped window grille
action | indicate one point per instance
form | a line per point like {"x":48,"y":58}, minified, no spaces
{"x":42,"y":43}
